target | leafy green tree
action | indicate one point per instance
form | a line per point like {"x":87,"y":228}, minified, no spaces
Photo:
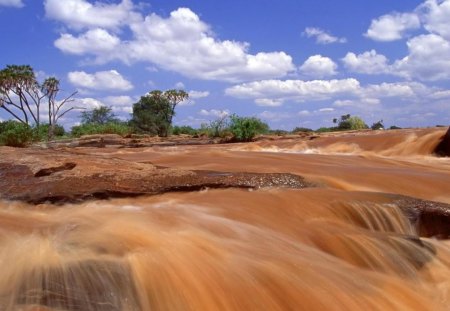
{"x":356,"y":123}
{"x":348,"y":122}
{"x":154,"y":112}
{"x":100,"y":115}
{"x":378,"y":125}
{"x":246,"y":128}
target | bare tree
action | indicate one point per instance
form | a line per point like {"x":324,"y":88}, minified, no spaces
{"x":21,"y":96}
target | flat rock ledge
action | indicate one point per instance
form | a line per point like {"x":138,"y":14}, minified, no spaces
{"x":39,"y":176}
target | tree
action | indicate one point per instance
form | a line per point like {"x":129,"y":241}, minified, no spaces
{"x":19,"y":93}
{"x":348,"y":122}
{"x":50,"y":88}
{"x":153,"y":113}
{"x":246,"y":128}
{"x":100,"y":115}
{"x":21,"y":96}
{"x":378,"y":125}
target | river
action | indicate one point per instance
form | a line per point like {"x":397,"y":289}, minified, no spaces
{"x":342,"y":245}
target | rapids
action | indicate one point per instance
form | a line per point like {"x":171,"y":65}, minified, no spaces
{"x":339,"y":246}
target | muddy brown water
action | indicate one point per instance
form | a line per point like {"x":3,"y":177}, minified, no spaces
{"x":340,"y":246}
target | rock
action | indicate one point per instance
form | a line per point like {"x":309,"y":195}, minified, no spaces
{"x":66,"y":175}
{"x":443,"y":149}
{"x":431,"y":219}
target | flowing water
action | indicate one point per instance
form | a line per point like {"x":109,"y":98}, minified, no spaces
{"x":340,"y":246}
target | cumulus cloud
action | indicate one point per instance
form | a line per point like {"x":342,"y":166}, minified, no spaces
{"x":436,"y":16}
{"x":81,"y":14}
{"x":318,"y":66}
{"x":198,"y":94}
{"x":102,"y":80}
{"x":321,"y":36}
{"x":274,"y":116}
{"x":268,"y":102}
{"x":392,"y":27}
{"x":369,"y":62}
{"x":428,"y":58}
{"x":296,"y":90}
{"x":181,"y":43}
{"x":96,"y":41}
{"x":214,"y":113}
{"x":12,"y":3}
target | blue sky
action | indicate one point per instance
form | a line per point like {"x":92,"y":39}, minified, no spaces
{"x":289,"y":62}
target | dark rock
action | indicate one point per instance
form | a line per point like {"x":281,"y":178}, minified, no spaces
{"x":443,"y":149}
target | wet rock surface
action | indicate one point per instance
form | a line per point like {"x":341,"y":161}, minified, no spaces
{"x":431,"y":219}
{"x":60,"y":176}
{"x":443,"y":149}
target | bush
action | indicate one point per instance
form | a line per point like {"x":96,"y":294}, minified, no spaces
{"x":15,"y":134}
{"x":188,"y":130}
{"x":41,"y":132}
{"x":119,"y":128}
{"x":246,"y":128}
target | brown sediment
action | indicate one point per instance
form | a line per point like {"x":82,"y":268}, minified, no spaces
{"x":372,"y":235}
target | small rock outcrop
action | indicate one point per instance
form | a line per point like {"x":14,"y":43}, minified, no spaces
{"x":443,"y":149}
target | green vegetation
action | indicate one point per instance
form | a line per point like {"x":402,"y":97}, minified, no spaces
{"x":246,"y":128}
{"x":154,"y":112}
{"x":22,"y":97}
{"x":184,"y":130}
{"x":120,"y":128}
{"x":15,"y":134}
{"x":100,"y":115}
{"x":378,"y":125}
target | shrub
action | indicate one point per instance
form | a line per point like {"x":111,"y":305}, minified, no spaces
{"x":246,"y":128}
{"x":41,"y":132}
{"x":394,"y":127}
{"x":188,"y":130}
{"x":15,"y":134}
{"x":119,"y":128}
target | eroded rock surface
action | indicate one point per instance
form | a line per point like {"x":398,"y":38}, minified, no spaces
{"x":59,"y":176}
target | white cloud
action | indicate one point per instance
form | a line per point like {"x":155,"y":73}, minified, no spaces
{"x":198,"y":94}
{"x":318,"y":66}
{"x":12,"y":3}
{"x":267,"y":102}
{"x":96,"y":41}
{"x":274,"y":116}
{"x":428,"y":58}
{"x":296,"y":90}
{"x":400,"y":90}
{"x":326,"y":110}
{"x":180,"y":86}
{"x":116,"y":101}
{"x":362,"y":102}
{"x":89,"y":103}
{"x":436,"y":16}
{"x":214,"y":113}
{"x":441,"y":94}
{"x":369,"y":62}
{"x":392,"y":27}
{"x":102,"y":80}
{"x":181,"y":43}
{"x":322,"y":37}
{"x":81,"y":14}
{"x":304,"y":113}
